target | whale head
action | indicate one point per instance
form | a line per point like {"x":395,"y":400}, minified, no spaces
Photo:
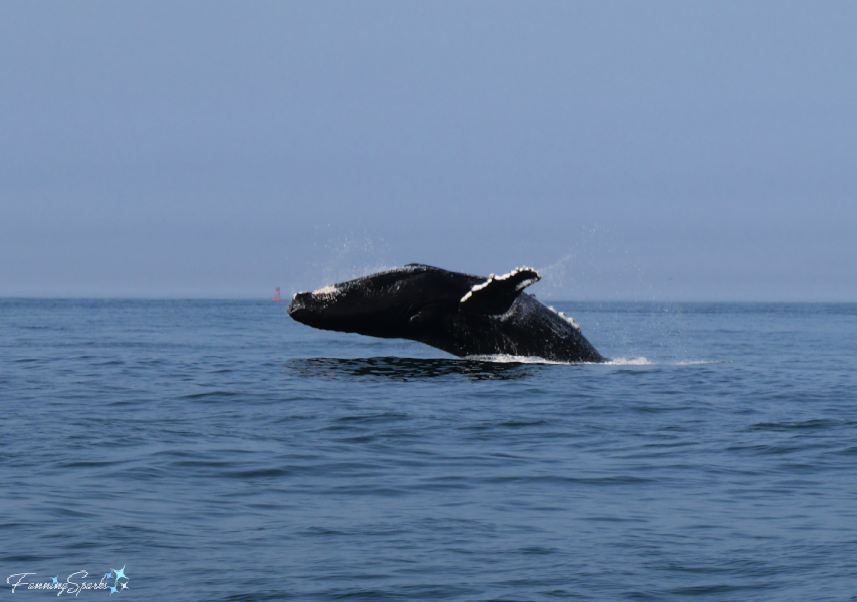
{"x":386,"y":304}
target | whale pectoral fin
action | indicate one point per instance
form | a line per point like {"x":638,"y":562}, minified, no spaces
{"x":496,"y":295}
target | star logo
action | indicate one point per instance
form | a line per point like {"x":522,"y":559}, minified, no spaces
{"x":124,"y":585}
{"x":55,"y":578}
{"x":108,"y":575}
{"x":113,"y":590}
{"x":120,"y":574}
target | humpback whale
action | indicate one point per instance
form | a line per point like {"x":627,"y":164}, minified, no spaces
{"x":461,"y":314}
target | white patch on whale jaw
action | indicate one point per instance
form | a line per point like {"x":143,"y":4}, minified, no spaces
{"x":327,"y":290}
{"x":491,"y":278}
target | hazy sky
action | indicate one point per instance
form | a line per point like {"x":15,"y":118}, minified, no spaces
{"x":646,"y":150}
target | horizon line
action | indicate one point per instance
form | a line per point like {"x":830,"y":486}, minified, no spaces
{"x":286,"y":299}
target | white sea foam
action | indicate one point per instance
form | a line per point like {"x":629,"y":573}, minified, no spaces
{"x":512,"y":359}
{"x":628,"y":361}
{"x":642,"y":361}
{"x":619,"y":361}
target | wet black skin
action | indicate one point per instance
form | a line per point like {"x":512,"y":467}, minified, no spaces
{"x":424,"y":304}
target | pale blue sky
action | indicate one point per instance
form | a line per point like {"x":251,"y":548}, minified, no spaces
{"x":658,"y":150}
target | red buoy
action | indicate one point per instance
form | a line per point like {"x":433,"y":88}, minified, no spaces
{"x":277,"y":296}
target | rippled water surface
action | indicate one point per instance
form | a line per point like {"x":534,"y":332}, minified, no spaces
{"x":221,"y":451}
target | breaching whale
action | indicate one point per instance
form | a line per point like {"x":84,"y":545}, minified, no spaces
{"x":461,"y":314}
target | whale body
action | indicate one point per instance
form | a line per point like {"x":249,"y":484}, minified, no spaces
{"x":461,"y":314}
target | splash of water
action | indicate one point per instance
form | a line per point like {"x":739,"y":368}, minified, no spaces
{"x":345,"y":257}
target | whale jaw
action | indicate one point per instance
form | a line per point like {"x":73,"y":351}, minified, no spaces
{"x":300,"y":309}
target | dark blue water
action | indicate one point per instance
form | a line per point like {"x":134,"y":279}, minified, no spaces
{"x":221,"y":451}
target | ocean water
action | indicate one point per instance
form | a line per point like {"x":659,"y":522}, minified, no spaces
{"x":220,"y":451}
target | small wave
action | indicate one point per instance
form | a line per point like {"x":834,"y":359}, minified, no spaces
{"x":408,"y":368}
{"x":700,"y":362}
{"x":443,"y":366}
